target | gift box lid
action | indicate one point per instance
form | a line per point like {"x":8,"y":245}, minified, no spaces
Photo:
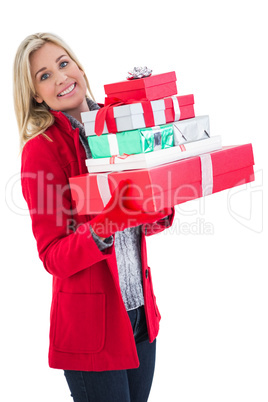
{"x":128,"y":85}
{"x":136,"y":108}
{"x":124,"y":110}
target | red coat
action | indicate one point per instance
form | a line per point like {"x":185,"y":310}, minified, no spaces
{"x":90,"y":328}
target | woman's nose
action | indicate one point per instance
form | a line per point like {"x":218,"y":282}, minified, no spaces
{"x":60,"y":78}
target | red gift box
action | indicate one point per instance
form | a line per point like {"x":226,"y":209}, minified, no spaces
{"x":186,"y":104}
{"x":150,"y":88}
{"x":170,"y":184}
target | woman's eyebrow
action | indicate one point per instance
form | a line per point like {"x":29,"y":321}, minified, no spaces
{"x":39,"y":71}
{"x":56,"y":61}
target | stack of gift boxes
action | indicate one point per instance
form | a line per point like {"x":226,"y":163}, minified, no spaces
{"x":148,"y":134}
{"x":153,"y":118}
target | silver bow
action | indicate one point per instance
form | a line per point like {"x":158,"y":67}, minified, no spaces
{"x":139,"y":72}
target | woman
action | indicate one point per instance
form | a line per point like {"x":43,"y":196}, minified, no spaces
{"x":104,"y":318}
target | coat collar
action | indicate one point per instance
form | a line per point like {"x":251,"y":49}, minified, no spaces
{"x":62,"y":122}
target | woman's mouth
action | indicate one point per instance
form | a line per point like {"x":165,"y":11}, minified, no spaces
{"x":68,"y":90}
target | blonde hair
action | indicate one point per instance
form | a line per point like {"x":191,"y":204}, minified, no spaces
{"x":34,"y":118}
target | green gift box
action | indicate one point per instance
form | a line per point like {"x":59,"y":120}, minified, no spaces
{"x":130,"y":142}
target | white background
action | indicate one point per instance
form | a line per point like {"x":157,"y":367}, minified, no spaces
{"x":210,"y":269}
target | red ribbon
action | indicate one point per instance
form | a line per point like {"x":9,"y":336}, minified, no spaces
{"x":101,"y":117}
{"x":148,"y":114}
{"x":106,"y":113}
{"x":112,"y":158}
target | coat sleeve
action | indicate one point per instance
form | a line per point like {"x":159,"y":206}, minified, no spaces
{"x":63,"y":247}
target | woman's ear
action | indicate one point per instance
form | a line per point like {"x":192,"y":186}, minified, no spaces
{"x":38,"y":98}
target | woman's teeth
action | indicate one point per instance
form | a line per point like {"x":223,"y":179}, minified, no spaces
{"x":67,"y":91}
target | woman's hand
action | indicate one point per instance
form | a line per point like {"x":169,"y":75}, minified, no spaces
{"x":121,"y":213}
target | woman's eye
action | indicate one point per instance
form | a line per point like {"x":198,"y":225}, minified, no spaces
{"x":44,"y":76}
{"x":63,"y":64}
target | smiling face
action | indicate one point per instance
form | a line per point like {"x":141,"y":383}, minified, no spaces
{"x":58,"y":81}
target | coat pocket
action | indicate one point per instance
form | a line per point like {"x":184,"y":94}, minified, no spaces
{"x":80,"y":322}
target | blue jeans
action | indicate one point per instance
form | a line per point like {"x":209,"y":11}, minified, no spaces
{"x":131,"y":385}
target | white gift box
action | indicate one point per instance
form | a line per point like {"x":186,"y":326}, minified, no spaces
{"x":142,"y":114}
{"x":131,"y":117}
{"x":128,"y":117}
{"x":194,"y":129}
{"x":156,"y":158}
